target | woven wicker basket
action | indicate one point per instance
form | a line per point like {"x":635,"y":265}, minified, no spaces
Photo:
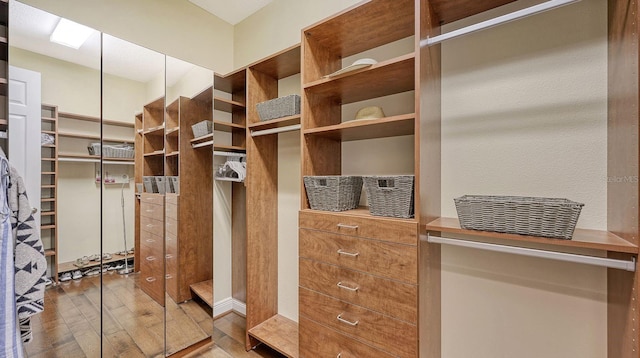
{"x":150,"y":185}
{"x":390,"y":196}
{"x":545,"y":217}
{"x":201,"y":129}
{"x":333,"y":193}
{"x":279,"y":107}
{"x":112,"y":150}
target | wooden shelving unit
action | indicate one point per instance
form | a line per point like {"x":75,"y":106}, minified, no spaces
{"x":204,"y":290}
{"x":49,"y":193}
{"x":264,"y":323}
{"x":325,"y":44}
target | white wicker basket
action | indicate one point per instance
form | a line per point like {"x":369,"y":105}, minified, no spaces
{"x":201,"y":129}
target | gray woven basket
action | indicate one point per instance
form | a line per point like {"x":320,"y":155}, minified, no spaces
{"x":390,"y":196}
{"x":279,"y":107}
{"x":150,"y":185}
{"x":333,"y":193}
{"x":545,"y":217}
{"x":201,"y":129}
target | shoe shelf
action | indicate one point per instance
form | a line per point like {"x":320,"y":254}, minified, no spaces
{"x":71,"y":265}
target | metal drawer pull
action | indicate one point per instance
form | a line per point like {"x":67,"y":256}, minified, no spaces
{"x":149,"y":210}
{"x":151,"y":258}
{"x":150,"y":240}
{"x":347,"y":253}
{"x":149,"y":225}
{"x":345,"y":226}
{"x":168,"y":276}
{"x":346,"y":321}
{"x":150,"y":279}
{"x":352,"y":289}
{"x":339,"y":355}
{"x":169,"y":256}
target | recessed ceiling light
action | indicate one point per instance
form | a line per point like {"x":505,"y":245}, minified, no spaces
{"x":71,"y":34}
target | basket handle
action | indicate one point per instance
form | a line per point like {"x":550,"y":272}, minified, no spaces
{"x":387,"y":183}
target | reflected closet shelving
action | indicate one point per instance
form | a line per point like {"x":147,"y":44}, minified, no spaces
{"x":4,"y":71}
{"x":264,"y":324}
{"x":49,"y":195}
{"x":229,"y":97}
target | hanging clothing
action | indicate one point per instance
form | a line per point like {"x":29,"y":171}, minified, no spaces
{"x":30,"y":262}
{"x":10,"y":341}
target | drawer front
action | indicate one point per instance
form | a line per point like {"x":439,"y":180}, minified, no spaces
{"x":152,"y":276}
{"x":153,"y":226}
{"x":150,"y":244}
{"x":317,"y":341}
{"x":382,"y":332}
{"x":395,"y":230}
{"x":172,"y":198}
{"x":392,"y":298}
{"x":152,"y":211}
{"x":171,"y":266}
{"x":380,"y":258}
{"x":172,"y":211}
{"x":155,"y":199}
{"x":172,"y":227}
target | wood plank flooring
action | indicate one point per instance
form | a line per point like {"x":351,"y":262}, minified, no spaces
{"x":132,"y":323}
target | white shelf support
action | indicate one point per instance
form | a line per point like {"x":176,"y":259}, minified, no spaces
{"x":552,"y":255}
{"x":516,"y":15}
{"x":294,"y":127}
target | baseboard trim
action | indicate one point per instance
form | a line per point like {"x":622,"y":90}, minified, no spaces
{"x":228,"y":305}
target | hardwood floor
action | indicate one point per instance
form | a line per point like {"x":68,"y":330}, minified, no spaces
{"x":132,"y":323}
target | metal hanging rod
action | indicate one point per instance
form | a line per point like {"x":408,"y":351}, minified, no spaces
{"x":90,"y":160}
{"x":516,"y":15}
{"x":294,"y":127}
{"x":228,"y":154}
{"x":552,"y":255}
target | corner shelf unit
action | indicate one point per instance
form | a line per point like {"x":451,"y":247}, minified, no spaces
{"x":49,"y":193}
{"x":264,"y":323}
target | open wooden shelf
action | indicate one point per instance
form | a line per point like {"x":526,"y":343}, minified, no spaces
{"x":96,"y":157}
{"x":226,"y":105}
{"x":382,"y":79}
{"x":47,"y":227}
{"x":155,"y":131}
{"x":92,"y":137}
{"x":204,"y":290}
{"x":229,"y":148}
{"x":368,"y":129}
{"x":70,"y":266}
{"x":48,"y":119}
{"x":48,"y":159}
{"x":202,"y":139}
{"x":47,"y":186}
{"x":275,"y":123}
{"x":367,"y":26}
{"x":48,"y":146}
{"x":47,"y":200}
{"x":452,"y":10}
{"x":48,"y":173}
{"x":279,"y":333}
{"x":281,"y":64}
{"x":361,"y":211}
{"x":49,"y":132}
{"x":47,"y":213}
{"x":94,"y":119}
{"x":154,"y":154}
{"x":227,"y":126}
{"x":172,"y":132}
{"x":49,"y":252}
{"x":3,"y":122}
{"x":173,"y":154}
{"x":231,"y":82}
{"x":583,"y":238}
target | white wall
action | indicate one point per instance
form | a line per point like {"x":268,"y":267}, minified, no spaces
{"x":524,"y":112}
{"x":176,"y":28}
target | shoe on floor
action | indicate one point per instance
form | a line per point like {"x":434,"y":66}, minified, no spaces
{"x":76,"y":275}
{"x":92,"y":271}
{"x":47,"y":282}
{"x":66,"y":276}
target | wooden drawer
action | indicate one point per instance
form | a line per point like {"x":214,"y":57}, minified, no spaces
{"x":172,"y":198}
{"x":399,"y":262}
{"x":317,"y":341}
{"x":155,"y":199}
{"x":152,"y":211}
{"x":153,"y":226}
{"x":152,"y":276}
{"x":171,"y":266}
{"x":394,"y":336}
{"x":396,"y":230}
{"x":171,"y":211}
{"x":172,"y":227}
{"x":392,"y":298}
{"x":150,"y":244}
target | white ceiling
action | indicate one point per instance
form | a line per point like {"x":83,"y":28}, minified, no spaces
{"x":30,"y":29}
{"x":231,"y":11}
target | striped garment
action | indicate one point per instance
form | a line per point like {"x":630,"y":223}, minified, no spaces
{"x":10,"y":341}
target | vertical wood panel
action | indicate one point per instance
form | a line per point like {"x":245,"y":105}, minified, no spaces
{"x":262,"y":210}
{"x":239,"y":242}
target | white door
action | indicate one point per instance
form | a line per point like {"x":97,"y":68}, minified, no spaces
{"x":25,"y":124}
